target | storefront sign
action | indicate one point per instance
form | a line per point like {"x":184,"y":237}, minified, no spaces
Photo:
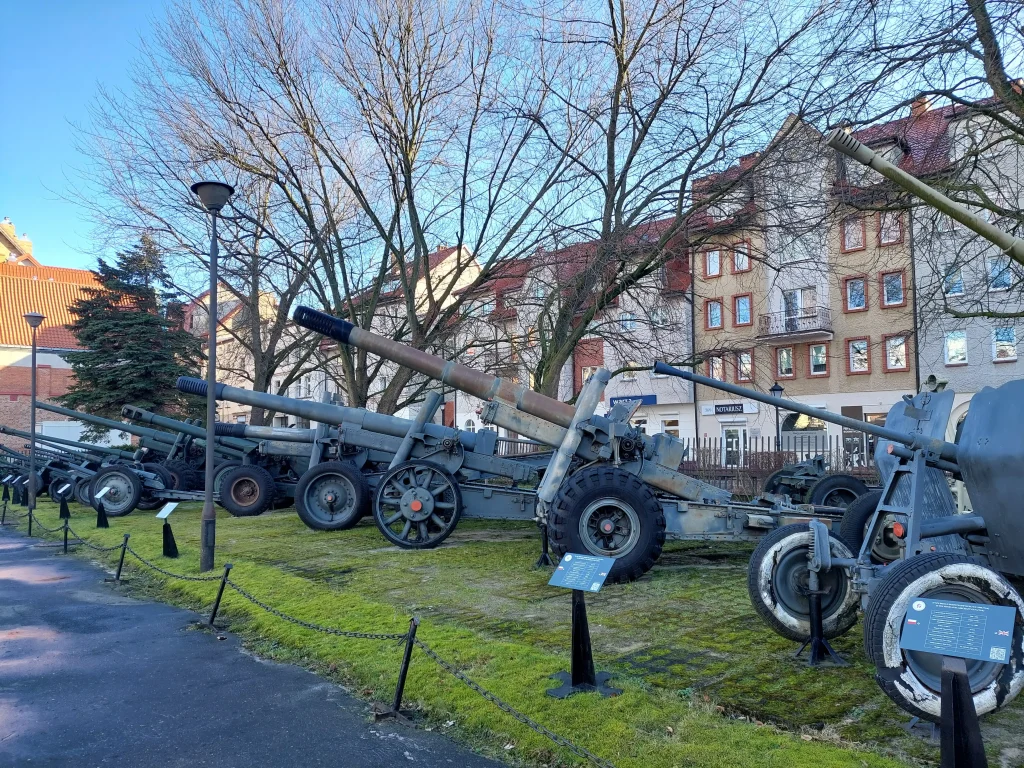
{"x":644,"y":399}
{"x":729,"y":409}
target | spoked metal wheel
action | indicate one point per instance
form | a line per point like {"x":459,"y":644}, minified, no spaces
{"x":417,"y":505}
{"x":125,"y":490}
{"x":332,"y":496}
{"x":610,"y":527}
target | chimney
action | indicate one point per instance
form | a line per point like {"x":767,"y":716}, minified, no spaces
{"x":920,"y":105}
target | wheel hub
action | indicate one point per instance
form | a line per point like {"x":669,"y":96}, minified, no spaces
{"x":417,"y":504}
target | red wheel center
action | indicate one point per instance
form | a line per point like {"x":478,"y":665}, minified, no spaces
{"x":416,"y":505}
{"x":607,"y":526}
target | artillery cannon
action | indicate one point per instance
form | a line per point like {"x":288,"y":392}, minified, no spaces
{"x":607,"y":488}
{"x":809,"y":481}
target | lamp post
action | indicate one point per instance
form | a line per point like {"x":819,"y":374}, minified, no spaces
{"x":777,"y":390}
{"x":34,"y":320}
{"x":213,"y":195}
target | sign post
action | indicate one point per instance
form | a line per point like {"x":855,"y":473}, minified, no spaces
{"x":957,"y":631}
{"x":170,"y":545}
{"x":581,"y":574}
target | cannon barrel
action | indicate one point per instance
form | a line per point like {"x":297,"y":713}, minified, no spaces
{"x":83,"y":447}
{"x":325,"y":413}
{"x":461,"y":377}
{"x":120,"y":426}
{"x":282,"y":434}
{"x":843,"y":142}
{"x":138,"y":414}
{"x":944,"y":450}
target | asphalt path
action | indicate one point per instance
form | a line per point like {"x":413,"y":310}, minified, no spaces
{"x":91,"y":677}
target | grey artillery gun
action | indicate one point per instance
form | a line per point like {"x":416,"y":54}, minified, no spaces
{"x":606,"y":488}
{"x":810,"y":482}
{"x":342,"y":466}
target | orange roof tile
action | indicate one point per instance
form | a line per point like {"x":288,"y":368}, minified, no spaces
{"x":49,"y":290}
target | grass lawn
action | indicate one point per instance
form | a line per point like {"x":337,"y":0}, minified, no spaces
{"x":705,"y":682}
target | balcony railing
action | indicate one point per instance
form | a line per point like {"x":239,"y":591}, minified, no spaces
{"x":804,"y":322}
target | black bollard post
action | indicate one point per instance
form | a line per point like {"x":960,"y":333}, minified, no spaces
{"x":120,"y":562}
{"x":65,"y":512}
{"x":101,"y":515}
{"x":581,"y":676}
{"x":4,"y":500}
{"x":30,"y":516}
{"x":959,"y":732}
{"x":65,"y":536}
{"x":170,"y":545}
{"x":220,"y":593}
{"x":545,"y":558}
{"x":24,"y":493}
{"x":410,"y":640}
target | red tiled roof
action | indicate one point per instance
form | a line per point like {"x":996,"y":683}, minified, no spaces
{"x":49,"y":290}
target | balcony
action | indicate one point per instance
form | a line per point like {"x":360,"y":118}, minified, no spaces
{"x":806,"y":324}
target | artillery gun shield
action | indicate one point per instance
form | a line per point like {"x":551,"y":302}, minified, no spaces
{"x":912,"y":679}
{"x":418,"y":504}
{"x":332,"y":496}
{"x":991,"y":459}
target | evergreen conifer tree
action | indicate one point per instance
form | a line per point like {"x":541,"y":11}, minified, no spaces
{"x":133,"y":346}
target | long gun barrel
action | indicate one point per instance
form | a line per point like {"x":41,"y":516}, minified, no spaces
{"x":138,"y":414}
{"x":843,"y":142}
{"x":944,"y":450}
{"x":461,"y":377}
{"x":325,"y":413}
{"x":74,"y":444}
{"x":120,"y":426}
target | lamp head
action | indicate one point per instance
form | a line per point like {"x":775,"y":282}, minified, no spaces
{"x":34,"y":319}
{"x":214,"y":195}
{"x":776,"y":390}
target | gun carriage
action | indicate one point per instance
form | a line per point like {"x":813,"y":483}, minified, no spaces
{"x":810,"y":482}
{"x":907,"y":540}
{"x":604,"y":488}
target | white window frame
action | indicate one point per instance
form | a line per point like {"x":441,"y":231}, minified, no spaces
{"x":945,"y":347}
{"x":716,"y":362}
{"x":864,"y":293}
{"x":995,"y":344}
{"x":850,"y":358}
{"x":736,"y":306}
{"x":630,"y":375}
{"x":903,"y":289}
{"x":738,"y":249}
{"x":750,"y":365}
{"x":627,"y":322}
{"x":1006,"y":270}
{"x":778,"y":363}
{"x":721,"y":314}
{"x":893,"y":215}
{"x":946,"y":279}
{"x":810,"y":360}
{"x":902,"y":340}
{"x":718,"y":263}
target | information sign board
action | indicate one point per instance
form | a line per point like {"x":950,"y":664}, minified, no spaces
{"x":64,"y":488}
{"x":964,"y":630}
{"x":8,"y":478}
{"x":164,"y":513}
{"x":102,"y":493}
{"x":583,"y":572}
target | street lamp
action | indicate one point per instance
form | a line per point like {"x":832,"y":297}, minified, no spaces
{"x":213,"y":195}
{"x":34,"y":320}
{"x":777,"y":390}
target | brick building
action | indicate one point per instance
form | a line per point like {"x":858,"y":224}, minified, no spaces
{"x":25,"y":286}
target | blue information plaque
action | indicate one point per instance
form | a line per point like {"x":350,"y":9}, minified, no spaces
{"x":583,"y":572}
{"x":965,"y":630}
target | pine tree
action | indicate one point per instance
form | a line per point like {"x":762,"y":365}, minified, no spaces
{"x":133,"y":346}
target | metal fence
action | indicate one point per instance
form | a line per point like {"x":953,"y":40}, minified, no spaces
{"x":510,"y":446}
{"x":742,"y":466}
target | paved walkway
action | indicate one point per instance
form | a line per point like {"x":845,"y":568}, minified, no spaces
{"x":89,"y":677}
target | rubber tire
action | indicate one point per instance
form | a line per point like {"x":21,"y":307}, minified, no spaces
{"x":148,"y":502}
{"x":82,"y":493}
{"x":822,"y":488}
{"x":264,"y":484}
{"x":181,"y":472}
{"x":883,"y":623}
{"x":761,"y":587}
{"x":855,"y":518}
{"x":360,"y":508}
{"x":134,"y":496}
{"x":772,"y":485}
{"x":219,"y":472}
{"x":591,"y":484}
{"x":54,"y":493}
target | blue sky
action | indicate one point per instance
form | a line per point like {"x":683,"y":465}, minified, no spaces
{"x":55,"y":55}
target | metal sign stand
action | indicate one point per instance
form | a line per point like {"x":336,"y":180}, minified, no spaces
{"x":960,"y":731}
{"x":170,"y":545}
{"x":101,"y":513}
{"x":582,"y":677}
{"x":4,"y":500}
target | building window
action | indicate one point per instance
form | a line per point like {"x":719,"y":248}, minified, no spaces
{"x":744,"y":366}
{"x":956,"y":348}
{"x":470,"y":425}
{"x":857,"y":360}
{"x":741,"y":310}
{"x":586,"y":372}
{"x":890,"y":228}
{"x":712,"y":263}
{"x":799,"y":302}
{"x":741,"y":257}
{"x":627,"y":321}
{"x":241,"y":419}
{"x":640,"y":425}
{"x":896,"y":353}
{"x":953,"y":282}
{"x":1004,"y":344}
{"x":712,"y":314}
{"x":716,"y":368}
{"x":784,"y":362}
{"x":670,"y":427}
{"x":892,"y":289}
{"x":853,"y":233}
{"x":818,"y":359}
{"x":630,"y":375}
{"x":855,"y":293}
{"x":998,"y":272}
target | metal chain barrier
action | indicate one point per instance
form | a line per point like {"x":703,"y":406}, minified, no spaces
{"x":170,"y":574}
{"x":507,"y":708}
{"x":311,"y":625}
{"x":48,"y":530}
{"x":430,"y":652}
